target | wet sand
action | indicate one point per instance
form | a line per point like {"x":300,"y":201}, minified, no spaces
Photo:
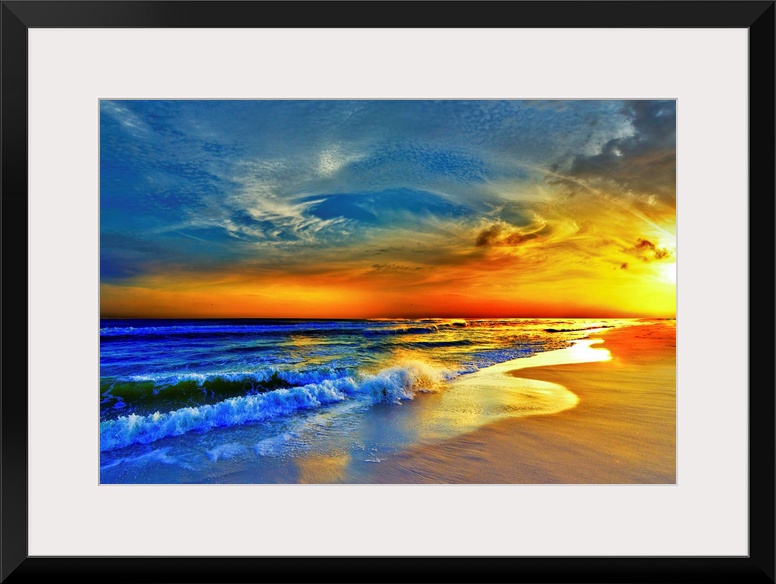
{"x":622,"y":430}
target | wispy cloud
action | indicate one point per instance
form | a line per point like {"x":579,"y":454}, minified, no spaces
{"x":472,"y":194}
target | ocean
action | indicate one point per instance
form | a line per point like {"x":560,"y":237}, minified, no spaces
{"x":250,"y":401}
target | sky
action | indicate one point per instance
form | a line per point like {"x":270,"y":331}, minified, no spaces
{"x":387,"y":208}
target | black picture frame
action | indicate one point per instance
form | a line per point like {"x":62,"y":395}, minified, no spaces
{"x":19,"y":16}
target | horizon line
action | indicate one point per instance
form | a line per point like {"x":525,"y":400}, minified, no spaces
{"x":373,"y":317}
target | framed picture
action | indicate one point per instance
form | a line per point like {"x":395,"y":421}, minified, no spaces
{"x":309,"y":269}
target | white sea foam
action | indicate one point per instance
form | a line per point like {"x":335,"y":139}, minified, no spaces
{"x":305,"y":377}
{"x":156,"y":456}
{"x":226,"y":451}
{"x":393,"y":384}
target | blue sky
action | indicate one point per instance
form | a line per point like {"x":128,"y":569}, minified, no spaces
{"x":252,"y":193}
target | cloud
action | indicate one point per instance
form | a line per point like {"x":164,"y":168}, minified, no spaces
{"x":378,"y":268}
{"x":506,"y":235}
{"x":648,"y":251}
{"x":447,"y":192}
{"x":130,"y":121}
{"x":641,"y":165}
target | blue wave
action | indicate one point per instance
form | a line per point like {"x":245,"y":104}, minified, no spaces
{"x":393,"y":384}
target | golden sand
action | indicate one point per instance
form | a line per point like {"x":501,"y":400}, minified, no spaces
{"x":622,"y":429}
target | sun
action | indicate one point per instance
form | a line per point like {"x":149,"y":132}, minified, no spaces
{"x":668,"y":272}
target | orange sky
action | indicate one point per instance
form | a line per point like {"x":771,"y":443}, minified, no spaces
{"x":387,"y":209}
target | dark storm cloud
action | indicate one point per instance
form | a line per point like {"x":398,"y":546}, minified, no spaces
{"x":641,"y":164}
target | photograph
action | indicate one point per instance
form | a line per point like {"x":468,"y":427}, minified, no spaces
{"x":371,"y":293}
{"x":387,"y":291}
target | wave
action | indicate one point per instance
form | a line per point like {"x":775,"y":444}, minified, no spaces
{"x":587,"y":328}
{"x":114,"y":330}
{"x":237,"y":331}
{"x":225,"y":330}
{"x":414,"y":330}
{"x":435,"y":344}
{"x":148,"y":393}
{"x":153,"y":457}
{"x":205,"y":377}
{"x":389,"y":385}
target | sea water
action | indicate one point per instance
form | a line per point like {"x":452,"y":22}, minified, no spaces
{"x":189,"y":401}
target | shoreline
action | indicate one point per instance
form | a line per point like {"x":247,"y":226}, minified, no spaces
{"x":622,"y":430}
{"x":601,"y":411}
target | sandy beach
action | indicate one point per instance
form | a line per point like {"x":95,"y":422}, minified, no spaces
{"x":622,"y":430}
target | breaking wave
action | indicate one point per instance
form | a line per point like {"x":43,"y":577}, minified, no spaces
{"x":389,"y":385}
